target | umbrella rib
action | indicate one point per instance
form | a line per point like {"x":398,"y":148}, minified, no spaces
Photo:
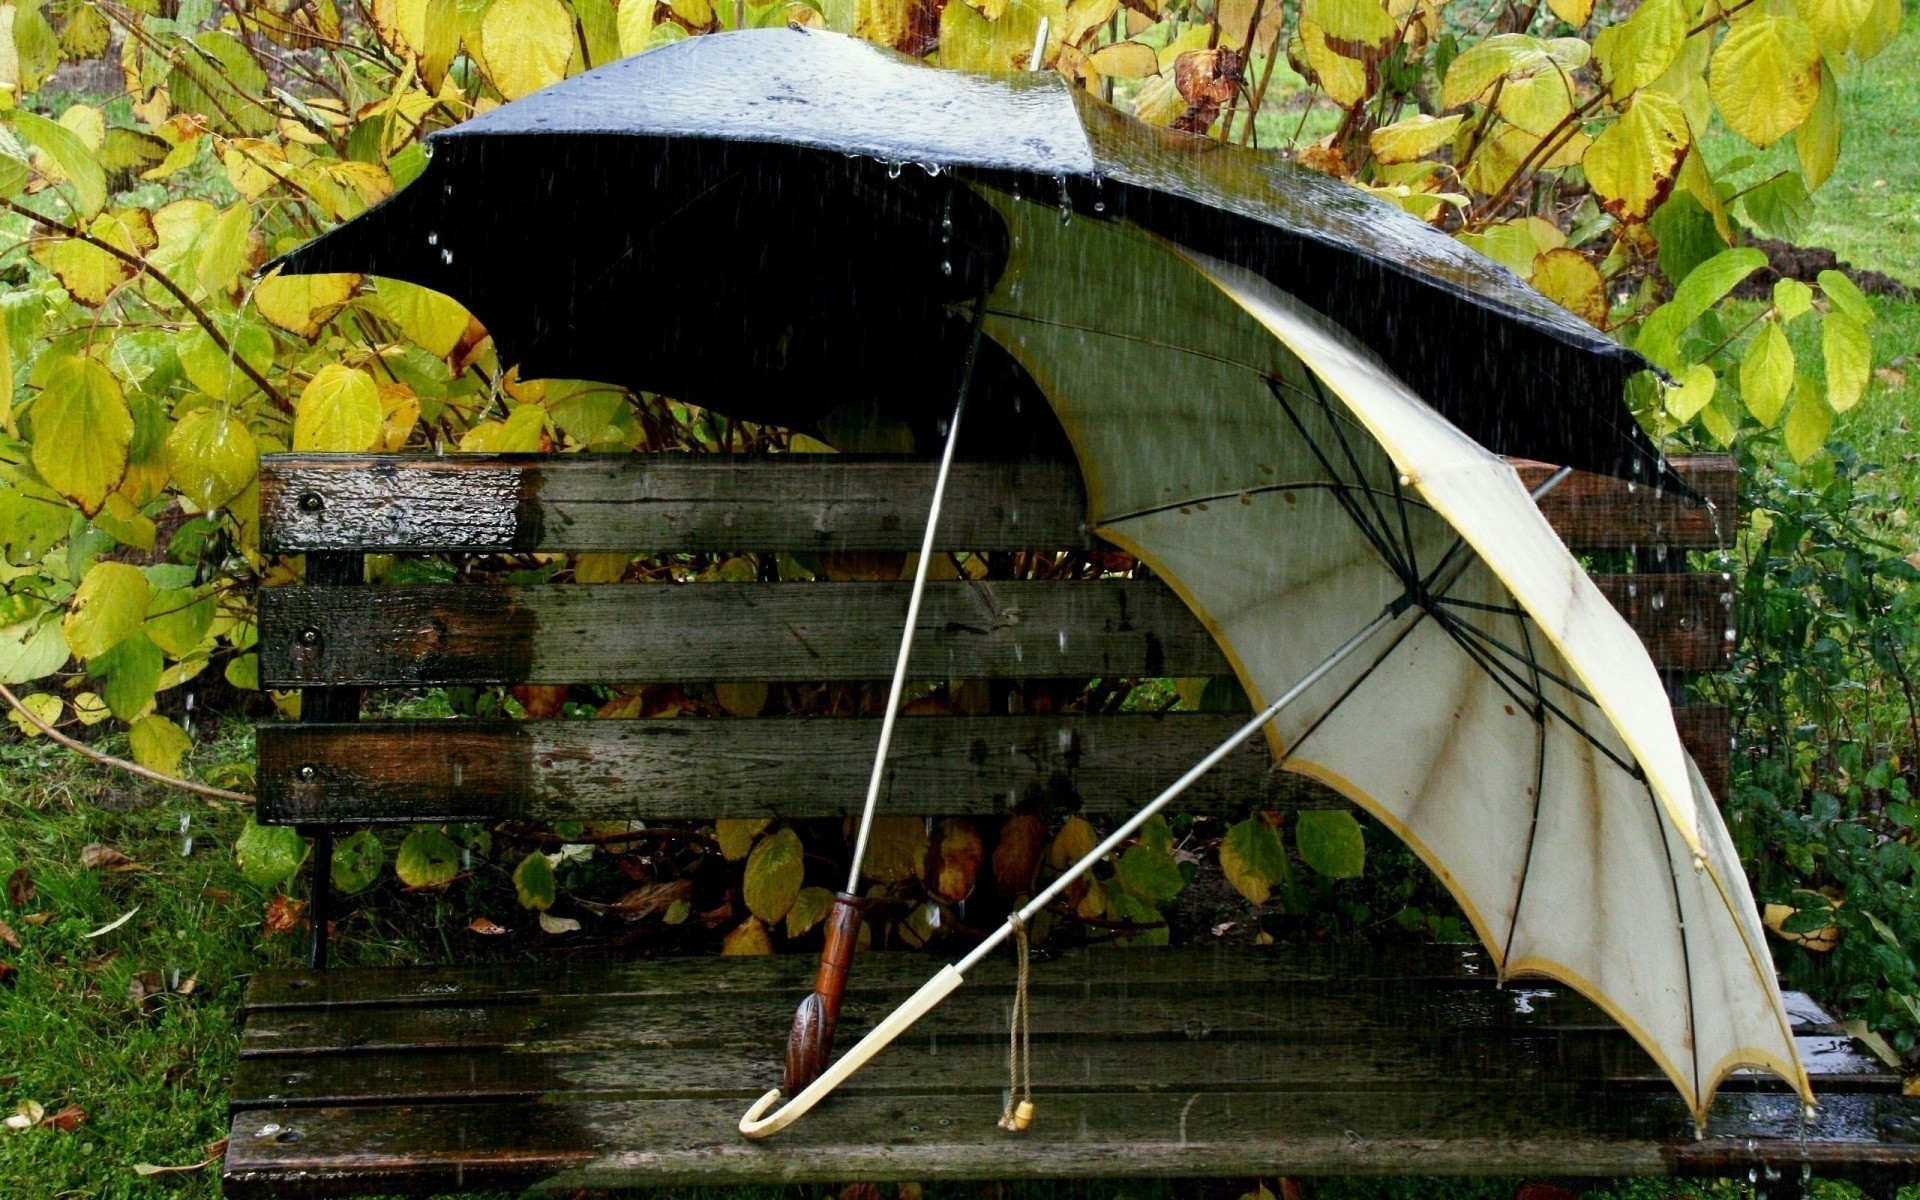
{"x":1156,"y":510}
{"x":1517,"y":656}
{"x":1539,"y":792}
{"x":1460,"y":629}
{"x":1412,"y":570}
{"x":1340,"y":488}
{"x":1503,"y":610}
{"x":1686,"y":952}
{"x":1350,"y":689}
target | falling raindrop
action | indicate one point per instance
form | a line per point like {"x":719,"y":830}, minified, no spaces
{"x":1659,"y":601}
{"x":931,"y":168}
{"x":946,"y":266}
{"x":446,"y":255}
{"x":1099,"y":200}
{"x":186,"y":836}
{"x":893,"y":169}
{"x":433,"y":238}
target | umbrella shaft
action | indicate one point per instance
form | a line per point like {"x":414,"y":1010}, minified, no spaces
{"x":1240,"y":736}
{"x":913,"y":611}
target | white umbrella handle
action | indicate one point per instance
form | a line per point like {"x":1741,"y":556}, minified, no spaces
{"x":756,"y":1124}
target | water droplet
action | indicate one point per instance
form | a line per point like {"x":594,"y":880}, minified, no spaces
{"x":893,"y":170}
{"x":931,"y":168}
{"x":946,"y":266}
{"x":1729,"y":635}
{"x":433,"y":239}
{"x":446,"y":256}
{"x":1659,"y":601}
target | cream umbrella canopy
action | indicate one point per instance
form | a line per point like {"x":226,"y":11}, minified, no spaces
{"x":1410,"y":629}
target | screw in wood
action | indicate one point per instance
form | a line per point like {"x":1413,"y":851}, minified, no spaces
{"x":309,"y":636}
{"x":307,"y":773}
{"x":311,"y":502}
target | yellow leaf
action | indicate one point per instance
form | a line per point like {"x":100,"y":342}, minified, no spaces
{"x":1766,"y":375}
{"x":1834,"y":22}
{"x":1158,"y":102}
{"x":1481,"y":66}
{"x":90,"y":708}
{"x":212,"y":457}
{"x":521,"y":433}
{"x":896,"y":849}
{"x":224,"y":248}
{"x":739,"y":699}
{"x":809,"y":909}
{"x":1569,"y":280}
{"x":338,"y":410}
{"x":635,"y":24}
{"x":81,"y":431}
{"x":1633,"y":164}
{"x":1766,"y":78}
{"x":89,"y":273}
{"x":41,"y":705}
{"x":1574,"y":12}
{"x":158,"y":744}
{"x":1195,"y":38}
{"x":697,"y":13}
{"x":736,"y":835}
{"x":1817,"y":143}
{"x":66,"y":158}
{"x":1413,"y":138}
{"x":107,"y":608}
{"x":1510,"y":243}
{"x":1809,"y":422}
{"x":1536,"y":104}
{"x":1880,"y":28}
{"x":399,"y":413}
{"x":1638,"y":51}
{"x":1353,"y":27}
{"x":749,"y":938}
{"x":432,"y":321}
{"x":302,"y":304}
{"x":1697,"y":385}
{"x":1074,"y":842}
{"x":1126,"y":60}
{"x":1343,"y":79}
{"x":1848,"y":349}
{"x":971,"y":42}
{"x":528,"y":44}
{"x":1085,"y":16}
{"x":773,"y":875}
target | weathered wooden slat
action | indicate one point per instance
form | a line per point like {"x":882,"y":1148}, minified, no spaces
{"x":1442,"y":1130}
{"x":682,"y":502}
{"x":918,"y":1066}
{"x":1598,"y":512}
{"x":630,"y":633}
{"x":696,"y":770}
{"x":566,"y":633}
{"x":1706,"y":730}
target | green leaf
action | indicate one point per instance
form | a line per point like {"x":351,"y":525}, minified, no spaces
{"x":1685,"y":231}
{"x":1150,"y":873}
{"x":1843,"y":295}
{"x":1697,"y":385}
{"x":1817,"y":143}
{"x":31,"y":650}
{"x":212,"y":457}
{"x":129,"y":675}
{"x":810,"y":908}
{"x":1808,"y":422}
{"x":1704,"y":287}
{"x":736,"y":834}
{"x":427,"y":858}
{"x":1640,"y":49}
{"x":1792,"y":298}
{"x":430,"y":320}
{"x":1849,"y":353}
{"x":339,"y":409}
{"x":1413,"y":138}
{"x":269,"y":854}
{"x":243,"y":672}
{"x":1766,"y":375}
{"x":108,"y":607}
{"x":1361,"y":24}
{"x":356,"y":862}
{"x":1779,"y":208}
{"x":178,"y":619}
{"x":1834,"y":22}
{"x":1253,"y":858}
{"x":81,"y":431}
{"x":1765,"y":78}
{"x":158,"y":744}
{"x":1124,"y":906}
{"x":63,"y":145}
{"x":1331,"y":842}
{"x":224,"y":248}
{"x":775,"y":871}
{"x":218,"y":373}
{"x":533,"y":882}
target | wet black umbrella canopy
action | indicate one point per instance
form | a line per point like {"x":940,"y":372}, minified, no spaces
{"x":776,"y":223}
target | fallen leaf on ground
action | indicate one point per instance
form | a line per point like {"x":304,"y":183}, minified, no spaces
{"x":145,"y":989}
{"x":8,"y":974}
{"x":8,"y":936}
{"x":553,"y":924}
{"x":68,"y":1119}
{"x":20,"y":888}
{"x":36,"y":919}
{"x":98,"y":857}
{"x":644,"y":902}
{"x":150,"y":1169}
{"x":283,"y":914}
{"x":486,"y":928}
{"x":1893,"y":377}
{"x":110,"y":926}
{"x":27,"y":1115}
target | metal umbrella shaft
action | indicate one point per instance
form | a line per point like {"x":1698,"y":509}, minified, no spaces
{"x":810,"y":1043}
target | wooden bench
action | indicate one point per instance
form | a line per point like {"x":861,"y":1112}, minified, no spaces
{"x":1196,"y":1061}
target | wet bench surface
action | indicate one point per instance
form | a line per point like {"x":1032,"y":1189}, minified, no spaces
{"x":1205,"y":1061}
{"x":1202,"y":1061}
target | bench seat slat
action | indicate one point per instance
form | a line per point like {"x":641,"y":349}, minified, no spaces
{"x":668,"y":771}
{"x":406,"y":636}
{"x":668,"y":503}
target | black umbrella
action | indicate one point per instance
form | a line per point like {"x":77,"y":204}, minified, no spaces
{"x":768,"y":223}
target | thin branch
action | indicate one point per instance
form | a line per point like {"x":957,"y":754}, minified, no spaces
{"x":160,"y":277}
{"x":134,"y":768}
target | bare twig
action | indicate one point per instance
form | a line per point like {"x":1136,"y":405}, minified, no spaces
{"x":132,"y":768}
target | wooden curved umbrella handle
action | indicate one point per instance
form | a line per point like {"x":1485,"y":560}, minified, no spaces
{"x":810,"y":1044}
{"x":758,"y":1124}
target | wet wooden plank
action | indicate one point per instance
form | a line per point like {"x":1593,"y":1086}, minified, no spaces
{"x":408,"y":636}
{"x":699,"y":769}
{"x":717,"y":632}
{"x":1706,"y":730}
{"x":1598,"y":512}
{"x":671,"y":503}
{"x":1522,"y":1130}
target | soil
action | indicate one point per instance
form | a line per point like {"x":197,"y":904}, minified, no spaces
{"x":1787,"y":261}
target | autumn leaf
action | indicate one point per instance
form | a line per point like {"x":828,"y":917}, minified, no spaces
{"x":81,"y":431}
{"x":1765,"y":78}
{"x":1634,"y":162}
{"x":339,"y":409}
{"x":774,"y":873}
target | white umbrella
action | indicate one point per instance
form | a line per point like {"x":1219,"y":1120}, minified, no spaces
{"x":1412,"y":630}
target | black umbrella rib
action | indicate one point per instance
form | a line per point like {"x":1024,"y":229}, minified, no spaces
{"x":1412,"y":570}
{"x":1539,"y":792}
{"x":1315,"y":486}
{"x":1680,"y":914}
{"x":1502,"y":610}
{"x":1531,"y":662}
{"x":1461,"y":632}
{"x":1509,"y":682}
{"x":1341,"y":489}
{"x":1351,"y":688}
